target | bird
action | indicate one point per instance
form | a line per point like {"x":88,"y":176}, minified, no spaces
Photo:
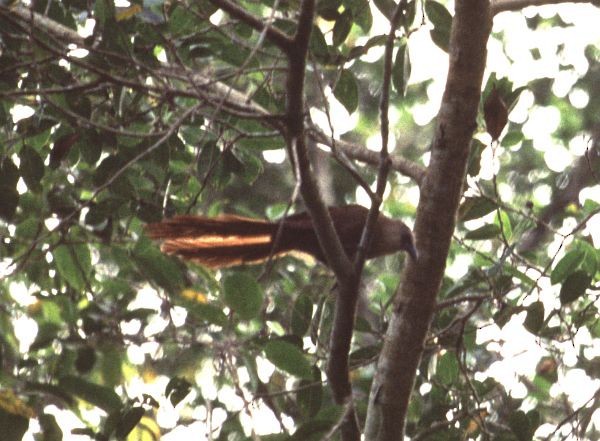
{"x":231,"y":240}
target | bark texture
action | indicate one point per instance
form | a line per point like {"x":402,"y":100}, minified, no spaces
{"x":441,"y":191}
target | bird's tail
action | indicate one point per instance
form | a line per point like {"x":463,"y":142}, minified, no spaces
{"x":217,"y":242}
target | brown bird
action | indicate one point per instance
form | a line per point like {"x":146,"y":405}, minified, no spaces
{"x":230,"y":240}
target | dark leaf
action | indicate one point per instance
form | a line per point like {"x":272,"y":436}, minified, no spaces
{"x":128,"y":420}
{"x":100,"y":396}
{"x":73,"y":263}
{"x":574,"y":286}
{"x":177,"y":389}
{"x":495,"y":114}
{"x":61,"y":147}
{"x":288,"y":358}
{"x":401,"y":69}
{"x":346,"y":91}
{"x":342,"y":27}
{"x":447,"y":368}
{"x":301,"y":315}
{"x":567,"y":265}
{"x":475,"y":207}
{"x":535,"y":317}
{"x":31,"y":168}
{"x":243,"y":295}
{"x":488,"y":231}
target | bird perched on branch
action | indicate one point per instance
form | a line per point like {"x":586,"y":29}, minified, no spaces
{"x":230,"y":240}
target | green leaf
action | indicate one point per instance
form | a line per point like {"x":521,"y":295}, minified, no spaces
{"x":574,"y":286}
{"x":488,"y":231}
{"x":535,"y":317}
{"x":74,"y":263}
{"x":155,"y":266}
{"x":208,"y":313}
{"x":100,"y":396}
{"x":590,"y":262}
{"x":310,"y":394}
{"x":474,"y":161}
{"x":342,"y":27}
{"x":503,"y":222}
{"x":567,"y":265}
{"x":447,"y":368}
{"x":243,"y":295}
{"x":288,"y":358}
{"x":301,"y":315}
{"x":346,"y":91}
{"x":31,"y":168}
{"x":317,"y":44}
{"x":512,"y":138}
{"x":401,"y":69}
{"x":361,"y":13}
{"x":475,"y":207}
{"x":442,"y":22}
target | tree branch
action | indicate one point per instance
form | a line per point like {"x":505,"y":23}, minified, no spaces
{"x":441,"y":189}
{"x":273,"y":34}
{"x":516,"y":5}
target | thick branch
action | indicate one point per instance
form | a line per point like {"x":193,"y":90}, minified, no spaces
{"x":516,"y":5}
{"x":274,"y":35}
{"x":441,"y":190}
{"x":361,"y":153}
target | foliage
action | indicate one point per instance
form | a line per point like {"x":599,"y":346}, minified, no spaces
{"x":174,"y":107}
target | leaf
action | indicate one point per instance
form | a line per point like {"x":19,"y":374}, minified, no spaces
{"x":317,"y":44}
{"x":50,"y":428}
{"x":288,"y":358}
{"x":346,"y":91}
{"x":342,"y":27}
{"x":503,"y":222}
{"x":475,"y":207}
{"x":512,"y":138}
{"x":100,"y":396}
{"x":9,"y":196}
{"x":574,"y":286}
{"x":386,"y":7}
{"x":73,"y":262}
{"x":310,"y":394}
{"x":13,"y":426}
{"x":488,"y":231}
{"x":243,"y":295}
{"x":301,"y":315}
{"x":447,"y":368}
{"x":31,"y":168}
{"x":157,"y":267}
{"x":520,"y":425}
{"x":128,"y":420}
{"x":567,"y":265}
{"x":495,"y":113}
{"x":363,"y":17}
{"x":535,"y":317}
{"x":474,"y":161}
{"x":61,"y":147}
{"x":9,"y":200}
{"x":590,"y":261}
{"x":177,"y":389}
{"x":401,"y":69}
{"x":442,"y":22}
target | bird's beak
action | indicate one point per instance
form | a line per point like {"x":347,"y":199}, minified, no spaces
{"x":412,"y":251}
